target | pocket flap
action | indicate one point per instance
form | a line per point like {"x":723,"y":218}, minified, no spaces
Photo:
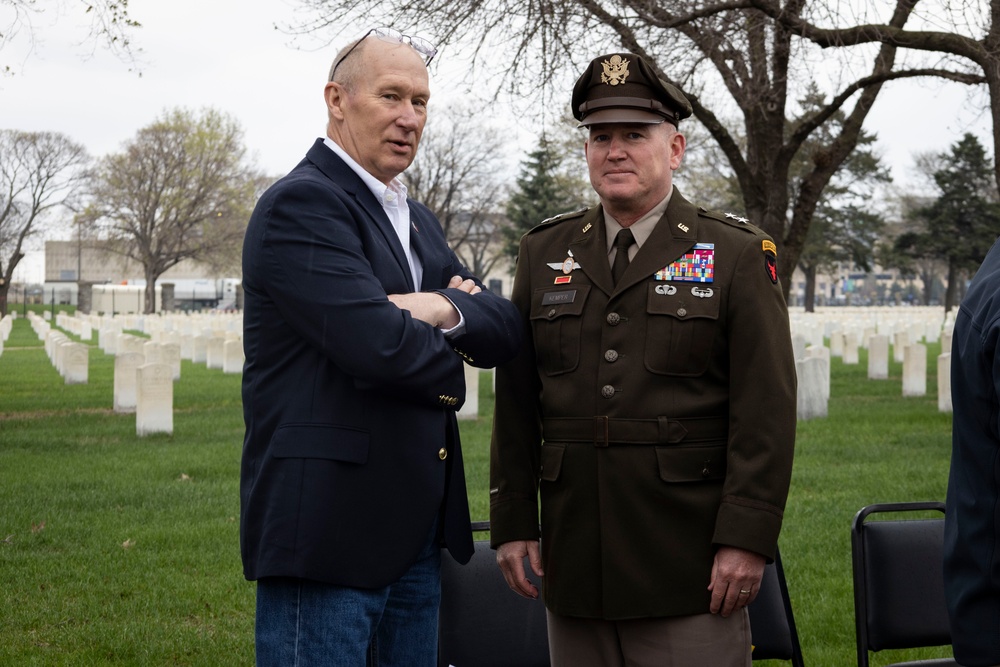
{"x":552,"y":456}
{"x":684,"y":301}
{"x":550,"y":303}
{"x":691,"y":464}
{"x":320,"y":441}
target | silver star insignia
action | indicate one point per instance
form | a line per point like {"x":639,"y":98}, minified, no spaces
{"x":737,"y":218}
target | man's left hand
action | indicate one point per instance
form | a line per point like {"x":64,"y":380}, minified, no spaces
{"x":736,"y":575}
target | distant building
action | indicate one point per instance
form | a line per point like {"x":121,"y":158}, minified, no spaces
{"x":68,"y":262}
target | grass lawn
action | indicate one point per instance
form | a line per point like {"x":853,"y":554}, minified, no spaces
{"x":119,"y":550}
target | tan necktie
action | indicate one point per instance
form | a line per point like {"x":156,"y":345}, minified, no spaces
{"x":623,"y":241}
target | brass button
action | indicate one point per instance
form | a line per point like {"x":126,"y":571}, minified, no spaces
{"x":614,"y":319}
{"x":611,"y":356}
{"x":682,"y":311}
{"x":607,"y":391}
{"x":442,"y":453}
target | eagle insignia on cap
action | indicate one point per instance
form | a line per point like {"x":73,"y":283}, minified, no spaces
{"x":615,"y":70}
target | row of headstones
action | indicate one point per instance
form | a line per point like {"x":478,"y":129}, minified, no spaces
{"x":150,"y":385}
{"x":144,"y":370}
{"x":920,"y":323}
{"x":218,"y":346}
{"x":813,"y":361}
{"x":66,"y":356}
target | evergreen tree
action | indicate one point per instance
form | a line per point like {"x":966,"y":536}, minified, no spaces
{"x":544,"y":189}
{"x":963,"y":222}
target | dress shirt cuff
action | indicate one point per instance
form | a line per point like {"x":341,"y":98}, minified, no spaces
{"x":459,"y":328}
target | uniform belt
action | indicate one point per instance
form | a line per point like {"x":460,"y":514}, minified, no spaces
{"x":604,"y":431}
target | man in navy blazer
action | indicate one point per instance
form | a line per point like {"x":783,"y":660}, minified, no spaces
{"x":358,"y":321}
{"x":972,"y":517}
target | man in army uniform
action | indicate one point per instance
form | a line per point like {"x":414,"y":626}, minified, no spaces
{"x":653,"y":407}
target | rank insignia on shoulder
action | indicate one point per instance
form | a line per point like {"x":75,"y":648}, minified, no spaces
{"x":697,"y":266}
{"x":737,"y":218}
{"x":770,"y":260}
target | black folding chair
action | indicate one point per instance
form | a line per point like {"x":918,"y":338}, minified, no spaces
{"x":898,"y":583}
{"x":482,"y":622}
{"x":772,"y":624}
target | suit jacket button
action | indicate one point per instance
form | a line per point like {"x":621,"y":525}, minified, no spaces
{"x":611,"y":356}
{"x":607,"y":391}
{"x":442,"y":453}
{"x":682,"y":311}
{"x":614,"y":319}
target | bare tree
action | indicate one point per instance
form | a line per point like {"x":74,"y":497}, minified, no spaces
{"x":110,"y":24}
{"x":755,"y":56}
{"x":458,"y":174}
{"x":181,"y":189}
{"x":39,"y":173}
{"x":980,"y":45}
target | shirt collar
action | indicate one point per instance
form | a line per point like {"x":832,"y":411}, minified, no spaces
{"x":641,"y":228}
{"x":386,"y":194}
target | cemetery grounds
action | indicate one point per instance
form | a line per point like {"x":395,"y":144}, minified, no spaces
{"x":121,"y":550}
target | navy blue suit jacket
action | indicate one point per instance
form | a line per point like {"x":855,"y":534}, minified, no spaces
{"x":352,"y":449}
{"x":972,"y":516}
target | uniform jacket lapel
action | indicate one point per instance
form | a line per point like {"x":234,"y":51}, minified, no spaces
{"x":674,"y":234}
{"x":590,"y":250}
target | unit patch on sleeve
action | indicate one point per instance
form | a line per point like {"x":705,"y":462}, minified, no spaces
{"x":697,"y":266}
{"x":770,"y":260}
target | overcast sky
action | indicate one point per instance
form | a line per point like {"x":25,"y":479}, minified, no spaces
{"x":227,"y":55}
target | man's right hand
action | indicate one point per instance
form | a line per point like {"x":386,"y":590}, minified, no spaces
{"x":510,"y":558}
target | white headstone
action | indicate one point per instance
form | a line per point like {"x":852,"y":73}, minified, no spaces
{"x":154,"y":412}
{"x":171,"y":355}
{"x":900,"y":340}
{"x":199,"y":349}
{"x":823,"y":353}
{"x":232,"y":356}
{"x":878,"y":357}
{"x":108,"y":339}
{"x":470,"y":409}
{"x":837,"y":344}
{"x":811,"y":401}
{"x":76,"y":359}
{"x":799,"y":346}
{"x":944,"y":382}
{"x":187,"y":346}
{"x":915,"y":370}
{"x":215,"y":352}
{"x":153,"y":352}
{"x":125,"y":380}
{"x":851,"y":349}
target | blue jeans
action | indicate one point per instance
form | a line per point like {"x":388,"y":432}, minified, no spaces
{"x":302,"y":623}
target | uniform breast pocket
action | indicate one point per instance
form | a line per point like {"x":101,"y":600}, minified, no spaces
{"x":681,"y":325}
{"x":557,"y":326}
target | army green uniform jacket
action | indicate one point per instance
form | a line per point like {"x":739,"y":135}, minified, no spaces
{"x":656,"y":419}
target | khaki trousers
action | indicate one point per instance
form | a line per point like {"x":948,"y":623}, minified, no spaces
{"x":705,"y":640}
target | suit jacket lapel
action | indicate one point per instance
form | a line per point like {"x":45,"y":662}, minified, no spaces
{"x":340,"y":173}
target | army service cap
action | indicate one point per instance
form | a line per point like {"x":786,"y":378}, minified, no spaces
{"x":623,"y":88}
